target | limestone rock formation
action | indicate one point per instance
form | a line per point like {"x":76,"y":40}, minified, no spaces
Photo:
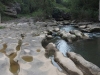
{"x":50,"y":49}
{"x":67,"y":64}
{"x":86,"y":67}
{"x":12,"y":9}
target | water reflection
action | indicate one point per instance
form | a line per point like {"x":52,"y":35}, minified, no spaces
{"x":92,"y":35}
{"x":89,"y":49}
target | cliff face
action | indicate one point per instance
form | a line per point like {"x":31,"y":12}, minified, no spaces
{"x":10,"y":8}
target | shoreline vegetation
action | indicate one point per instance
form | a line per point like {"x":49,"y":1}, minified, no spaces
{"x":78,"y":10}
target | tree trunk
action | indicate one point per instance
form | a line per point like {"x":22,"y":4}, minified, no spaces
{"x":99,"y":10}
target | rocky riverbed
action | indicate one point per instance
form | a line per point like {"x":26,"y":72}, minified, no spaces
{"x":21,"y":52}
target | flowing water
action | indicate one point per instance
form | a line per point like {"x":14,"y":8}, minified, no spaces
{"x":89,"y":49}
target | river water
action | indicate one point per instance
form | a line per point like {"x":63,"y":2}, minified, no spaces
{"x":89,"y":49}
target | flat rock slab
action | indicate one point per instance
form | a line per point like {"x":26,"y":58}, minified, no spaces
{"x":67,"y":64}
{"x":31,"y":55}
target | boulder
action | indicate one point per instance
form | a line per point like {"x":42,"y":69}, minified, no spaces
{"x":67,"y":36}
{"x":49,"y":31}
{"x":45,"y":32}
{"x":92,"y":28}
{"x":67,"y":64}
{"x":85,"y":36}
{"x":82,"y":26}
{"x":61,"y":33}
{"x":66,"y":16}
{"x":86,"y":67}
{"x":95,"y":30}
{"x":50,"y":49}
{"x":77,"y":33}
{"x":66,"y":22}
{"x":45,"y":42}
{"x":49,"y":37}
{"x":56,"y":29}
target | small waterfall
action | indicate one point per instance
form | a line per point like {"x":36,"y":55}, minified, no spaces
{"x":63,"y":46}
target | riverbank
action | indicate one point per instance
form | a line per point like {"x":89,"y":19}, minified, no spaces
{"x":29,"y":56}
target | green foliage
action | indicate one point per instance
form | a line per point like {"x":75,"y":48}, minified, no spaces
{"x":2,"y":27}
{"x":2,"y":7}
{"x":6,"y":18}
{"x":82,"y":9}
{"x":38,"y":13}
{"x":33,"y":6}
{"x":79,"y":9}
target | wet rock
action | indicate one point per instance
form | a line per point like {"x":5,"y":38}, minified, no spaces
{"x":50,"y":49}
{"x":56,"y":29}
{"x":45,"y":32}
{"x":82,"y":26}
{"x":86,"y":67}
{"x":49,"y":32}
{"x":96,"y":29}
{"x":85,"y":36}
{"x":68,"y":37}
{"x":61,"y":32}
{"x":77,"y":33}
{"x":66,"y":22}
{"x":45,"y":42}
{"x":67,"y":64}
{"x":49,"y":37}
{"x":50,"y":28}
{"x":91,"y":28}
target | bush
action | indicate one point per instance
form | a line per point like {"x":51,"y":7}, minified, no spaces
{"x":38,"y":13}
